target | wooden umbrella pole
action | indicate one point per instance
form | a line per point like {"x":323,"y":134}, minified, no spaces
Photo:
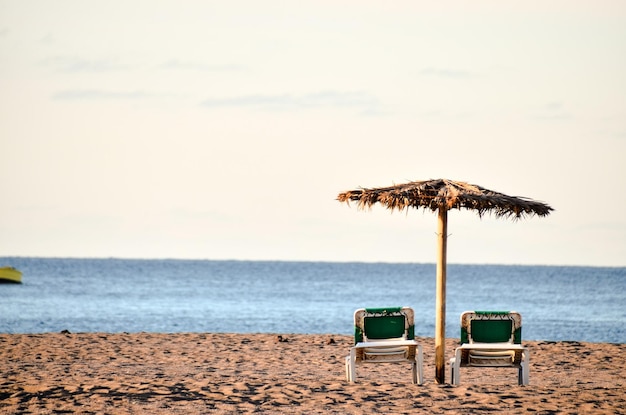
{"x":440,"y":303}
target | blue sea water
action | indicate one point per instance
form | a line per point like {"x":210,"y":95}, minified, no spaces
{"x":123,"y":295}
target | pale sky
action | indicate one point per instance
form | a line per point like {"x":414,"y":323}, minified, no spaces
{"x":226,"y":129}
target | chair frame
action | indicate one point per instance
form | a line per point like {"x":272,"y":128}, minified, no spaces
{"x":385,"y":350}
{"x":494,"y":351}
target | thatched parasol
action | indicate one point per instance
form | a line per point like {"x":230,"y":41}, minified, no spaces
{"x":442,"y":195}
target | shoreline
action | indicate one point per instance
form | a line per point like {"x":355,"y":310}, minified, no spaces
{"x":184,"y":333}
{"x":226,"y":373}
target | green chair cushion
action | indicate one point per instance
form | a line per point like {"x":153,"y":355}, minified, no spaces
{"x":385,"y":327}
{"x":491,"y":331}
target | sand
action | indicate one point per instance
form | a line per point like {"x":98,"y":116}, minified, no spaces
{"x":196,"y":373}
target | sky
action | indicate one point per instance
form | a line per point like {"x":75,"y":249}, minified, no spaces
{"x":225,"y":130}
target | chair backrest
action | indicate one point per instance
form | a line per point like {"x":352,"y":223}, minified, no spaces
{"x":384,"y":323}
{"x":491,"y":327}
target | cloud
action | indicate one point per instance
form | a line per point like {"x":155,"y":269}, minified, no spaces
{"x":74,"y":64}
{"x":93,"y":94}
{"x":175,"y":64}
{"x":553,"y":117}
{"x":448,"y":73}
{"x":554,"y":106}
{"x":325,"y":99}
{"x":444,"y":114}
{"x":620,"y":135}
{"x":552,"y":111}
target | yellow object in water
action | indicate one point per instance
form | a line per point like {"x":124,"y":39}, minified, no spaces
{"x":10,"y":274}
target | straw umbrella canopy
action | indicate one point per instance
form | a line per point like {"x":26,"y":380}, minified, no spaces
{"x":442,"y":195}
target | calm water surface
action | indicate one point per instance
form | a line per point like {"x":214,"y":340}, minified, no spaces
{"x":115,"y":295}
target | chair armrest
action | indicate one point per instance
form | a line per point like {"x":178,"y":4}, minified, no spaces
{"x":386,"y":343}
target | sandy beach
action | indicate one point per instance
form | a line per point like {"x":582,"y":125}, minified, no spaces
{"x":196,"y":373}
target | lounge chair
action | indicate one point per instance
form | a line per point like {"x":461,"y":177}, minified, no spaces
{"x":491,"y":339}
{"x":385,"y":335}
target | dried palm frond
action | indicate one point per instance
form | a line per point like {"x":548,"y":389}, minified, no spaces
{"x":446,"y":194}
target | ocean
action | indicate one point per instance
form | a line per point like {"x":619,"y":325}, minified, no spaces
{"x":172,"y":296}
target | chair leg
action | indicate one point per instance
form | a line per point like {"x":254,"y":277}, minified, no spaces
{"x":352,"y":362}
{"x":420,"y":365}
{"x":455,"y":367}
{"x":525,"y":368}
{"x":523,"y":374}
{"x":452,"y":371}
{"x":348,"y":369}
